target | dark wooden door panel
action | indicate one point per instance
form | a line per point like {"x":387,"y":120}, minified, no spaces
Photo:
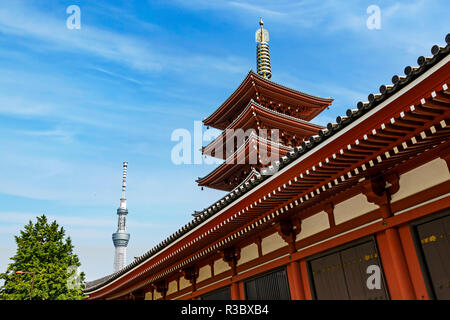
{"x":272,"y":286}
{"x":434,"y":237}
{"x":329,"y":279}
{"x":356,"y":260}
{"x":342,"y":274}
{"x":219,"y":294}
{"x":251,"y":292}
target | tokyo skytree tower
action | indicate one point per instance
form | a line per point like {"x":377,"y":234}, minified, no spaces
{"x":120,"y":237}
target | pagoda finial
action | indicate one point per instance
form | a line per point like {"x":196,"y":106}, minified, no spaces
{"x":262,"y":51}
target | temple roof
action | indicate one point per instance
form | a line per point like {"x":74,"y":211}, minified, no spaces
{"x":255,"y":113}
{"x":246,"y":157}
{"x":254,"y":86}
{"x":254,"y":174}
{"x":352,"y":115}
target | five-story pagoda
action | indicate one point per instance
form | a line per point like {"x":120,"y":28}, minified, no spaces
{"x":261,"y":121}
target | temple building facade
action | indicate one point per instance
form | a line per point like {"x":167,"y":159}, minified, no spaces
{"x":359,"y":209}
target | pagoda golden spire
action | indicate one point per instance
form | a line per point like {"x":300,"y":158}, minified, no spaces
{"x":262,"y":51}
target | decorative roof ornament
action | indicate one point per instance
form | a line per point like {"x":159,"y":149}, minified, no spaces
{"x":262,"y":51}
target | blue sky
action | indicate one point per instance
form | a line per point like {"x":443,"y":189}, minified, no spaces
{"x":74,"y":104}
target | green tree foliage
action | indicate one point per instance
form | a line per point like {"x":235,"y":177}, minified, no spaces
{"x":41,"y":249}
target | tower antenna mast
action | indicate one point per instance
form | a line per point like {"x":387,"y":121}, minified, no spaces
{"x":120,"y":237}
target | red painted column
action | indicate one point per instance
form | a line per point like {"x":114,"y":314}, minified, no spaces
{"x":412,"y":262}
{"x":235,"y":294}
{"x":305,"y":280}
{"x":398,"y":265}
{"x":241,"y":290}
{"x":394,"y":262}
{"x":295,"y":281}
{"x":232,"y":256}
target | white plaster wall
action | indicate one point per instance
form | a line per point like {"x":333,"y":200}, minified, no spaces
{"x":352,"y":208}
{"x":157,"y":295}
{"x":421,"y":178}
{"x":184,"y":283}
{"x":248,"y":253}
{"x":313,"y":225}
{"x":204,"y":273}
{"x":220,"y":266}
{"x":172,"y":287}
{"x":272,"y":243}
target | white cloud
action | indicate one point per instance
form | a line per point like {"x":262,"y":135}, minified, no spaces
{"x":258,"y":9}
{"x":406,"y":25}
{"x":72,"y":221}
{"x":61,"y":135}
{"x":19,"y":20}
{"x":115,"y":75}
{"x":126,"y":49}
{"x":19,"y":106}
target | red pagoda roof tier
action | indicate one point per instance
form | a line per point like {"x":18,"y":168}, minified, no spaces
{"x":247,"y":157}
{"x":252,"y":117}
{"x":274,"y":95}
